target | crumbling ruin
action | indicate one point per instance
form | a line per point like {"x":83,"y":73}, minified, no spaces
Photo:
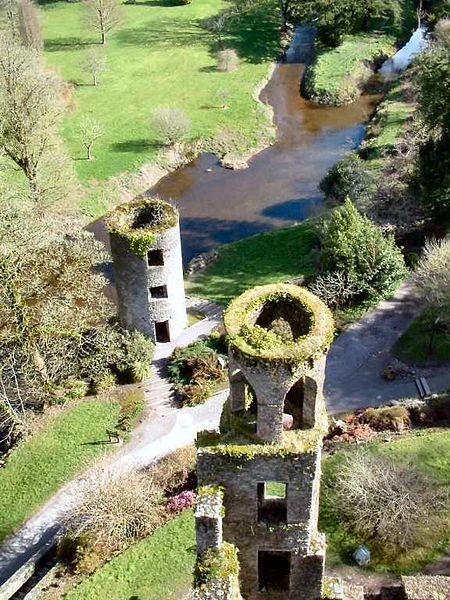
{"x":148,"y":270}
{"x":259,"y":476}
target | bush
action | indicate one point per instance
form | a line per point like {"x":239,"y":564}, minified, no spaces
{"x":170,"y":125}
{"x":227,"y":60}
{"x":394,"y":418}
{"x":172,"y":471}
{"x":336,"y":289}
{"x":394,"y":504}
{"x":136,"y":361}
{"x":116,"y":510}
{"x":353,"y":245}
{"x":103,"y":382}
{"x":348,"y":178}
{"x":195,"y":370}
{"x":181,"y":501}
{"x":80,"y":554}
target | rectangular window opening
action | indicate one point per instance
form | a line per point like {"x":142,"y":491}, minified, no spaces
{"x":272,"y":503}
{"x":159,"y":291}
{"x":155,"y":258}
{"x":162,"y":332}
{"x":274,"y":569}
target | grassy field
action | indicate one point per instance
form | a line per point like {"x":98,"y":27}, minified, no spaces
{"x":429,"y":451}
{"x":335,"y":76}
{"x":162,"y":56}
{"x":413,"y":345}
{"x":157,"y":568}
{"x":266,"y":258}
{"x":67,"y":443}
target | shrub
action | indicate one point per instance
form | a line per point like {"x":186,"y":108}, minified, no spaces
{"x":136,"y":360}
{"x":103,"y":382}
{"x":170,"y":125}
{"x":348,"y":178}
{"x":394,"y":418}
{"x":352,"y":244}
{"x":198,"y":392}
{"x":227,"y":60}
{"x":181,"y":501}
{"x":336,"y":288}
{"x":115,"y":510}
{"x":387,"y":502}
{"x":171,"y":471}
{"x":80,"y":554}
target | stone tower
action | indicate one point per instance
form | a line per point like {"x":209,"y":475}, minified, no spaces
{"x":264,"y":463}
{"x":148,"y":269}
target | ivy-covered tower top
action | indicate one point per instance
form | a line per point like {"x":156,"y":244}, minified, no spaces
{"x":278,"y":336}
{"x":148,"y":269}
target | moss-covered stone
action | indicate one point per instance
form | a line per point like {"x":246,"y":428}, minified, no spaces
{"x":140,"y":222}
{"x":217,"y":564}
{"x":310,"y":338}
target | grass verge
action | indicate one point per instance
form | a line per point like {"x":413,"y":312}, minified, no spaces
{"x":68,"y":442}
{"x":429,"y":451}
{"x":264,"y":258}
{"x":414,"y":345}
{"x":157,"y":568}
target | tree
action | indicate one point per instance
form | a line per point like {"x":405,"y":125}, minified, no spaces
{"x":170,"y":125}
{"x":102,"y":16}
{"x":432,"y":280}
{"x":29,"y":26}
{"x":90,"y":131}
{"x":353,"y":245}
{"x":31,"y":107}
{"x":381,"y":500}
{"x":94,"y":64}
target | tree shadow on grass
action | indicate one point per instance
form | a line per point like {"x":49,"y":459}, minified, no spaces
{"x":68,"y":43}
{"x":153,"y":3}
{"x":163,"y":33}
{"x":136,"y":146}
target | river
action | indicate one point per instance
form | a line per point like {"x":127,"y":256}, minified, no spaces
{"x":280,"y":185}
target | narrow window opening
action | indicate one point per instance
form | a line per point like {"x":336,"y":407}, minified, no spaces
{"x":155,"y":258}
{"x":272,"y":503}
{"x":293,"y":407}
{"x":274,"y":569}
{"x":159,"y":291}
{"x":162,"y":331}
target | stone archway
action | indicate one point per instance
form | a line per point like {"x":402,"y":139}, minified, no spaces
{"x":293,"y":406}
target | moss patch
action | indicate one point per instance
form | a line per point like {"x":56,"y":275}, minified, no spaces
{"x":249,"y":338}
{"x":139,"y":223}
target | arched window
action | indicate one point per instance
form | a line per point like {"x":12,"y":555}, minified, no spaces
{"x":293,"y":406}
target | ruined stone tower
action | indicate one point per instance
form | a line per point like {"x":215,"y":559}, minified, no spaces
{"x":264,"y":463}
{"x":148,"y":270}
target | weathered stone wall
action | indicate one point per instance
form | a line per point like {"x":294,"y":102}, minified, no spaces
{"x":134,"y":278}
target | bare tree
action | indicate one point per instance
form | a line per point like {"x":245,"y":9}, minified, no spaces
{"x":30,"y":110}
{"x":94,"y":64}
{"x":102,"y":16}
{"x":8,"y":19}
{"x":29,"y":26}
{"x":90,"y":131}
{"x":393,"y":503}
{"x":12,"y":403}
{"x":170,"y":125}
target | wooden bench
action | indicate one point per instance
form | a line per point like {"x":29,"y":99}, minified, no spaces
{"x":113,"y":436}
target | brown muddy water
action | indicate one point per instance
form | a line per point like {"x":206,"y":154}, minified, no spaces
{"x":280,"y":185}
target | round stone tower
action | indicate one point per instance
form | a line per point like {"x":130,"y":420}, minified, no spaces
{"x":148,"y":269}
{"x":279,"y":336}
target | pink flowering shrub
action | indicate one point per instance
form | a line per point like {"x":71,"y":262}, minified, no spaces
{"x":181,"y":501}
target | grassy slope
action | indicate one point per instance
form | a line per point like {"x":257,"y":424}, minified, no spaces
{"x":157,"y":568}
{"x":334,"y":76}
{"x":159,"y":57}
{"x":412,"y":346}
{"x":266,"y":258}
{"x":51,"y":457}
{"x":428,"y":451}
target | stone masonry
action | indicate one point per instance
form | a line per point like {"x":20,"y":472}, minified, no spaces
{"x":148,"y":269}
{"x":266,"y":457}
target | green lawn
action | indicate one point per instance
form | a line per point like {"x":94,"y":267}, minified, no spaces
{"x":160,"y":567}
{"x":265,"y":258}
{"x":336,"y":73}
{"x":428,"y":450}
{"x":39,"y":466}
{"x":162,"y":56}
{"x":414,"y":345}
